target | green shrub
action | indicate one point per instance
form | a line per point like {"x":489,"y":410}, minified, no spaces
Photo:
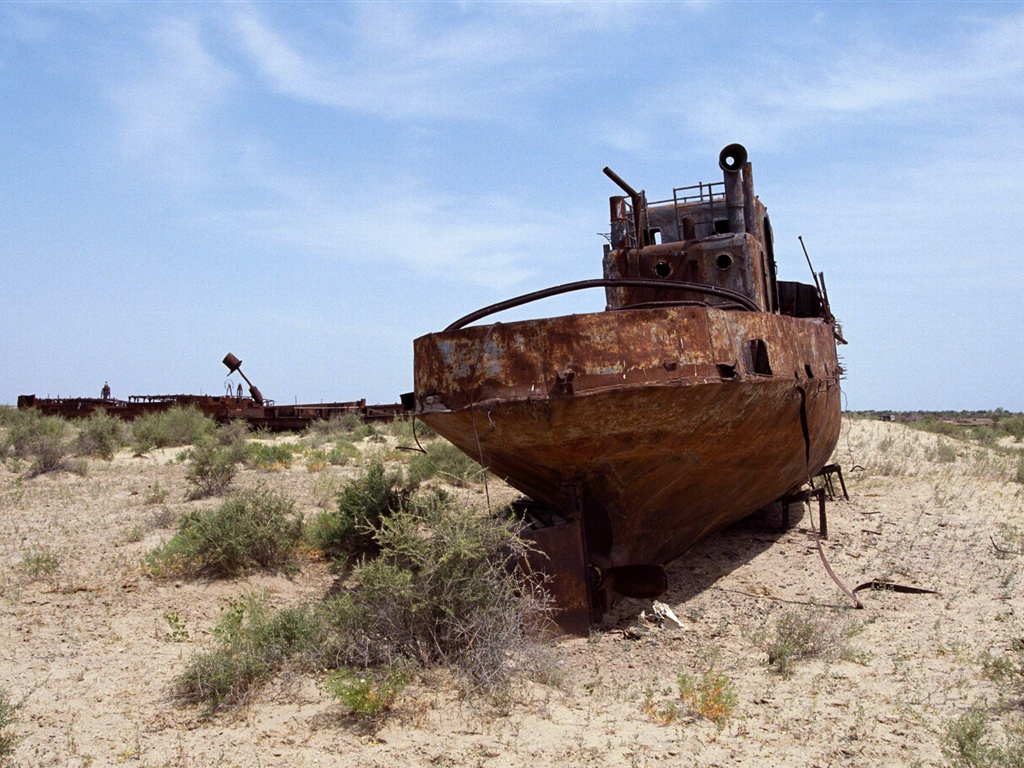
{"x":362,"y":505}
{"x":253,"y":528}
{"x":252,"y":644}
{"x":234,"y":432}
{"x":316,"y":460}
{"x":366,"y":693}
{"x":442,"y":459}
{"x":269,"y":458}
{"x":175,"y":426}
{"x":411,"y":429}
{"x":343,"y":452}
{"x":444,"y":590}
{"x":966,"y":743}
{"x":1020,"y":472}
{"x":212,"y":470}
{"x":101,"y":435}
{"x":1013,"y":426}
{"x":8,"y":737}
{"x":9,"y":415}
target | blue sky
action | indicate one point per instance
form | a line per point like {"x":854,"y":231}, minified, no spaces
{"x":313,"y":186}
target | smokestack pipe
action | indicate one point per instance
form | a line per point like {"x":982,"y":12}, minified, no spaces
{"x":731,"y":160}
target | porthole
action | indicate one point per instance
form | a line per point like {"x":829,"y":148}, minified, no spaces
{"x":723,"y":261}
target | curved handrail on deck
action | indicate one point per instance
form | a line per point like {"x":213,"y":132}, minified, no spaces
{"x":579,"y":285}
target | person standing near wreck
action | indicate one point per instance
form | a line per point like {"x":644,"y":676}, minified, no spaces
{"x":105,"y":392}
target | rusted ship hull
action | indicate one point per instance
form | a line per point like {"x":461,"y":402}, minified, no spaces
{"x":658,"y":416}
{"x":706,"y":390}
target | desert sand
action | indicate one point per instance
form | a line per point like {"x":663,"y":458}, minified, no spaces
{"x":91,"y":644}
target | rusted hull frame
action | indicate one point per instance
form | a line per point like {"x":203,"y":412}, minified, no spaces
{"x":665,"y":418}
{"x":220,"y":409}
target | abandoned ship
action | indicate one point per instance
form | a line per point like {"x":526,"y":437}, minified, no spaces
{"x":706,"y":390}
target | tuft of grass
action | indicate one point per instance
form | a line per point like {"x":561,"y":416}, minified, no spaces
{"x":316,"y":460}
{"x":155,"y":494}
{"x":1019,"y":476}
{"x":40,"y":563}
{"x":253,"y":528}
{"x":410,"y":429}
{"x":213,"y":468}
{"x":348,"y":427}
{"x":443,"y":459}
{"x":711,"y":695}
{"x":101,"y":435}
{"x":362,"y":506}
{"x":802,"y":635}
{"x":175,"y":426}
{"x":269,"y":458}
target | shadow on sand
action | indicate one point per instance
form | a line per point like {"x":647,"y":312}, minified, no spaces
{"x":700,"y":567}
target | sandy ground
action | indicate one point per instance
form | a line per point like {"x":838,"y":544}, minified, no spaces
{"x":91,"y":649}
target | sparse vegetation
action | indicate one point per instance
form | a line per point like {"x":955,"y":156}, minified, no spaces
{"x":40,"y":563}
{"x":967,"y":743}
{"x":443,"y":591}
{"x":175,"y":426}
{"x":253,"y":528}
{"x":444,"y":460}
{"x":711,"y":695}
{"x":101,"y":435}
{"x":212,"y":470}
{"x":252,"y":644}
{"x":269,"y":457}
{"x":342,"y":453}
{"x":801,"y":635}
{"x":8,"y":736}
{"x":44,"y":439}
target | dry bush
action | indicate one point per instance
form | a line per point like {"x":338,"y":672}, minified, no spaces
{"x":800,"y":634}
{"x":444,"y":590}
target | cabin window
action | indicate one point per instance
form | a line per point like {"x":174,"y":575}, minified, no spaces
{"x":723,"y":261}
{"x":759,"y":362}
{"x":663,"y":269}
{"x":654,"y":236}
{"x":721,"y":226}
{"x":726,"y":370}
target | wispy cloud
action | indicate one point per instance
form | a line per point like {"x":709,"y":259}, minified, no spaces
{"x":166,"y":107}
{"x":400,"y":61}
{"x":873,"y":80}
{"x":488,"y":242}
